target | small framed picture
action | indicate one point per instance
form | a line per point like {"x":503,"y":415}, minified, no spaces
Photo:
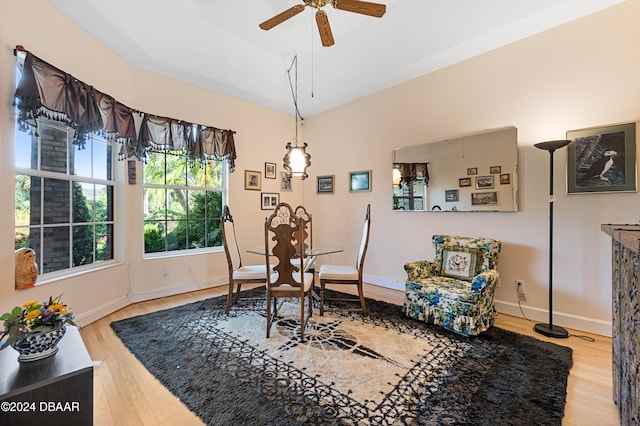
{"x":270,"y":170}
{"x":505,"y":179}
{"x":269,"y":200}
{"x":131,"y":169}
{"x":451,"y":195}
{"x":484,"y":182}
{"x":285,"y":182}
{"x":252,"y":180}
{"x":360,"y":181}
{"x":495,"y":170}
{"x":462,"y":182}
{"x":472,"y":171}
{"x":326,"y":184}
{"x":484,"y":198}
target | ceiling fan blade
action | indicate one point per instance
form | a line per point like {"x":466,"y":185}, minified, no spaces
{"x":281,"y":17}
{"x":363,"y":7}
{"x":323,"y":27}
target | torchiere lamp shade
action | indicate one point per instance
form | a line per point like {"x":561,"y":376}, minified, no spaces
{"x":552,"y":145}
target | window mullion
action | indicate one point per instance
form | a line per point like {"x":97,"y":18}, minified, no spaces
{"x":76,"y":209}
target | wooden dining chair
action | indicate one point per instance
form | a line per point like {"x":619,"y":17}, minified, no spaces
{"x":238,"y":273}
{"x":307,"y":233}
{"x":283,"y":238}
{"x":347,"y":274}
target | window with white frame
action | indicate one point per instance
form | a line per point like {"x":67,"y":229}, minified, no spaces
{"x":63,"y":197}
{"x":183,"y":202}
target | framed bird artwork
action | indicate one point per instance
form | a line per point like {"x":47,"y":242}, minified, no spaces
{"x":602,"y":159}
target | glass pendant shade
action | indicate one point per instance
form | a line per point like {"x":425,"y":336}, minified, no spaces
{"x":396,"y":176}
{"x":297,"y":160}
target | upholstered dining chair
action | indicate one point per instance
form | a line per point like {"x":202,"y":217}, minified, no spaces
{"x":347,"y":274}
{"x":238,"y":273}
{"x":283,"y":238}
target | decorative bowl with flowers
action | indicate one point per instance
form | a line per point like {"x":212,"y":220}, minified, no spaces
{"x":35,"y":328}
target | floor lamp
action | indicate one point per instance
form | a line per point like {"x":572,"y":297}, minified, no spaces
{"x":549,"y":329}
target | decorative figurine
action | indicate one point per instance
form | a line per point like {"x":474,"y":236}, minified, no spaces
{"x":26,"y":268}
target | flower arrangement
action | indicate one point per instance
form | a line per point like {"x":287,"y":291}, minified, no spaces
{"x":34,"y":317}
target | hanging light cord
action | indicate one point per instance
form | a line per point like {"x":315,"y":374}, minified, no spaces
{"x":294,"y":93}
{"x":312,"y":61}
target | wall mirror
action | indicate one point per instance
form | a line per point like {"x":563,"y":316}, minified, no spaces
{"x":477,"y":172}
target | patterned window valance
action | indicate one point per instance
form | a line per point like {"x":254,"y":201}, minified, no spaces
{"x":45,"y":90}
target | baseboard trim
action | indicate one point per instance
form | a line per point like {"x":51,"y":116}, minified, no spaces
{"x":176,"y":289}
{"x":563,"y":319}
{"x":384,"y":282}
{"x":93,"y":315}
{"x":111,"y":307}
{"x":590,"y":325}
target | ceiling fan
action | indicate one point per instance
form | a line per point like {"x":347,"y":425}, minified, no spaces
{"x":356,"y":6}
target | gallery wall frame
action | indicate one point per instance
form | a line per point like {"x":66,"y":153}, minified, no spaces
{"x":253,"y":180}
{"x":270,"y":170}
{"x":360,"y":181}
{"x":462,"y":182}
{"x":285,"y":183}
{"x":325,"y":184}
{"x":451,"y":195}
{"x":602,"y":159}
{"x":269,"y":200}
{"x":484,"y":182}
{"x":484,"y":198}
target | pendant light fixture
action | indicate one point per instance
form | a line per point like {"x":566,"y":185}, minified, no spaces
{"x":396,"y":171}
{"x":297,"y":159}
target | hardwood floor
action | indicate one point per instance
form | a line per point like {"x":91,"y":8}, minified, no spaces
{"x":125,"y":393}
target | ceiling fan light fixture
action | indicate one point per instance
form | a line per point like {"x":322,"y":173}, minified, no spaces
{"x":356,"y":6}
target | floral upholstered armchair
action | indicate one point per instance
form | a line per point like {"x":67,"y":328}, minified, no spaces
{"x":456,"y":290}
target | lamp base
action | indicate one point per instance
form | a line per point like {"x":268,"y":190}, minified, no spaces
{"x":551,"y":331}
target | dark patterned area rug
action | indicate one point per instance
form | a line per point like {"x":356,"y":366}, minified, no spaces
{"x":382,"y":369}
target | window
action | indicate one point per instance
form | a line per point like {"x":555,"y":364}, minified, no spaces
{"x":409,"y":195}
{"x":182,"y":203}
{"x":64,"y":197}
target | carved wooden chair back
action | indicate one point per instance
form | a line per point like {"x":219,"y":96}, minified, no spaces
{"x":283,"y":238}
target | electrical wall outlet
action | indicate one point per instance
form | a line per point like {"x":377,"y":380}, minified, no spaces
{"x":165,"y":271}
{"x":520,"y":290}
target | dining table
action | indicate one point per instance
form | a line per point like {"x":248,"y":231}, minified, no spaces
{"x":311,"y":255}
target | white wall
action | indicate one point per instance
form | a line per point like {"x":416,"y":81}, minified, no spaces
{"x":582,"y":74}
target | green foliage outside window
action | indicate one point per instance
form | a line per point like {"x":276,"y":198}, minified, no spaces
{"x":183,"y":203}
{"x":63,"y":197}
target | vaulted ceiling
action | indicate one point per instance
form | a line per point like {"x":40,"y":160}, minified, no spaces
{"x":217,"y":44}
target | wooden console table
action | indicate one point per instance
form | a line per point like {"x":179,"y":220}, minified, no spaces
{"x":57,"y":390}
{"x":626,"y":315}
